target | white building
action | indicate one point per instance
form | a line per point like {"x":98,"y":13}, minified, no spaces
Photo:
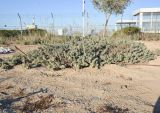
{"x":148,"y":19}
{"x":60,"y":32}
{"x":33,"y":25}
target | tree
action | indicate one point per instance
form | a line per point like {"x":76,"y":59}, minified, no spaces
{"x":109,"y":7}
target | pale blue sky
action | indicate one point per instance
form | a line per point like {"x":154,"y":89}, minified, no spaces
{"x":66,"y":12}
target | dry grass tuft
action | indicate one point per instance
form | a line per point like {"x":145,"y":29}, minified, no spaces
{"x":112,"y":109}
{"x":40,"y":105}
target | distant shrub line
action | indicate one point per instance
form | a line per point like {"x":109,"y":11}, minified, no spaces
{"x":127,"y":31}
{"x":16,"y":33}
{"x":134,"y":33}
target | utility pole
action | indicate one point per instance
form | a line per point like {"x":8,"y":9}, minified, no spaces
{"x":87,"y":23}
{"x":121,"y":21}
{"x":83,"y":15}
{"x":52,"y":20}
{"x":20,"y":23}
{"x":33,"y":21}
{"x":70,"y":29}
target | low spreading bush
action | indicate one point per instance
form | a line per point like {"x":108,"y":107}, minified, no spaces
{"x":16,"y":60}
{"x":134,"y":33}
{"x":6,"y":65}
{"x":131,"y":30}
{"x":88,"y":52}
{"x":1,"y":61}
{"x":127,"y":31}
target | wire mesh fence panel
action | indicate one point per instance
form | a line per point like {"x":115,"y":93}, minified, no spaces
{"x":68,"y":23}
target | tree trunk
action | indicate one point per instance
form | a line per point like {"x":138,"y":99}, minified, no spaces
{"x":105,"y":26}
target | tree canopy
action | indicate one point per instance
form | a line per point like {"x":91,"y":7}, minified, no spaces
{"x":111,"y":6}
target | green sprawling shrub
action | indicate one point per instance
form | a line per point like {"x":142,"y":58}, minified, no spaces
{"x":88,"y":52}
{"x":134,"y":33}
{"x":127,"y":31}
{"x":6,"y":65}
{"x":16,"y":60}
{"x":131,"y":30}
{"x":1,"y":61}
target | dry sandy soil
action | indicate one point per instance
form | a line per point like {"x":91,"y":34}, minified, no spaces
{"x":24,"y":48}
{"x":112,"y":89}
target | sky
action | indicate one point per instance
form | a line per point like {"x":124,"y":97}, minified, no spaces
{"x":66,"y":12}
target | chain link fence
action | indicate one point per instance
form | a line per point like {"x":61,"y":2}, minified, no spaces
{"x":54,"y":23}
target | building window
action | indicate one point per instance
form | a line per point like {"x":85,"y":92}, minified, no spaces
{"x":137,"y":19}
{"x":118,"y":27}
{"x":146,"y":26}
{"x":156,"y":16}
{"x":156,"y":26}
{"x":146,"y":16}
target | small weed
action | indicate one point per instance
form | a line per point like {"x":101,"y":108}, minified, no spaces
{"x":112,"y":109}
{"x":40,"y":105}
{"x":50,"y":75}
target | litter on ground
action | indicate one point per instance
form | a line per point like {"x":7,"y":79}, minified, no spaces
{"x":5,"y":50}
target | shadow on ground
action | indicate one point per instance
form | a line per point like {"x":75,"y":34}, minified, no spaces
{"x":6,"y":104}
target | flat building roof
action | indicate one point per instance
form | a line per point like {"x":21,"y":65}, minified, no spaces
{"x":146,"y":10}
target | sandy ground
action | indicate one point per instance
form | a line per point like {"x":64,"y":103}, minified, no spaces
{"x":130,"y":89}
{"x":24,"y":48}
{"x":152,"y":45}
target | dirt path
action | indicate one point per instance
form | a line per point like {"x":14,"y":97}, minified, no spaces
{"x":134,"y":88}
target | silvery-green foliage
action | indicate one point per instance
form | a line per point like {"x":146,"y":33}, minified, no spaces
{"x":87,"y":52}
